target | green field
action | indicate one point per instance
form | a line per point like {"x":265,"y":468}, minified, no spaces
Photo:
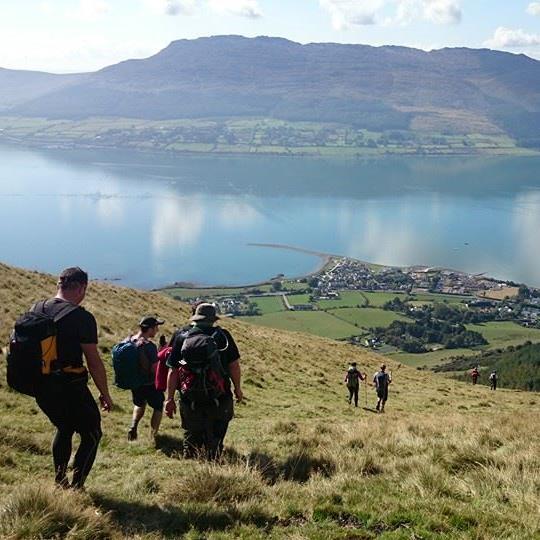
{"x":296,"y":299}
{"x":367,"y":317}
{"x":268,"y":304}
{"x":313,"y":322}
{"x":430,"y":359}
{"x":211,"y":292}
{"x":245,"y":136}
{"x":378,"y":299}
{"x":348,"y":299}
{"x":504,"y":334}
{"x":432,"y":297}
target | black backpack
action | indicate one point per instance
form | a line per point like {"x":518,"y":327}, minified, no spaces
{"x":353,"y":378}
{"x":32,"y":347}
{"x":201,"y":373}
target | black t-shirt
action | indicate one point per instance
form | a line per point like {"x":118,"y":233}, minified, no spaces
{"x":228,"y":350}
{"x":150,"y":351}
{"x":382,"y":380}
{"x":76,"y":328}
{"x":149,"y":358}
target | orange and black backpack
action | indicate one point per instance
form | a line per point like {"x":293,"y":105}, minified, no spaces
{"x":32,"y":346}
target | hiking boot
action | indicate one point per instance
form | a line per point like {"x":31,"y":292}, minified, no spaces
{"x":132,"y":434}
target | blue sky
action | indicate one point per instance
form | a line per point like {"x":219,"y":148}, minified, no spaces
{"x":83,"y":35}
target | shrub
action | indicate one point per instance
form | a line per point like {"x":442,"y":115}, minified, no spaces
{"x":210,"y":482}
{"x":40,"y":512}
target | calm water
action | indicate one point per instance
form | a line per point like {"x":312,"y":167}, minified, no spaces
{"x":150,"y":220}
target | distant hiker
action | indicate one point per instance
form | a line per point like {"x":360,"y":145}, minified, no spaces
{"x":474,"y":375}
{"x":61,"y":385}
{"x":381,"y":381}
{"x":493,"y":380}
{"x":146,"y":393}
{"x":352,"y":380}
{"x":203,"y":362}
{"x":162,"y":342}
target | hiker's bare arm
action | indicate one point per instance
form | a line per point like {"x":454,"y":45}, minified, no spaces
{"x":97,"y":371}
{"x":172,"y":385}
{"x":236,"y":377}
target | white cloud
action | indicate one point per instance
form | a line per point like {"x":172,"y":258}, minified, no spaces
{"x":534,"y":8}
{"x":347,"y":13}
{"x":442,"y":11}
{"x":172,"y":7}
{"x":243,"y":8}
{"x":91,"y":10}
{"x":507,"y":38}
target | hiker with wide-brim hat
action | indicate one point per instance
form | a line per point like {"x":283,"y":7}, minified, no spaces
{"x":203,"y":363}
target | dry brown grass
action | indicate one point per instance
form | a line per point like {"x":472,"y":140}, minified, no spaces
{"x":500,"y":293}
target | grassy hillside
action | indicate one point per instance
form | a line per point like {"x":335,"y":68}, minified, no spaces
{"x":517,"y":367}
{"x":445,"y":461}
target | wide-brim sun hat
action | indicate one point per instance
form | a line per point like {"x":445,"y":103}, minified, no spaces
{"x":205,"y":312}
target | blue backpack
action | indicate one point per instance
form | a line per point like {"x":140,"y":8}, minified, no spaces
{"x":129,"y":373}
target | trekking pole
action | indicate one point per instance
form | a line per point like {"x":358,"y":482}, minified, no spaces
{"x":365,"y":380}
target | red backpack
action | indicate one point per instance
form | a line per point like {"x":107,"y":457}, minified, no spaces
{"x":162,"y":371}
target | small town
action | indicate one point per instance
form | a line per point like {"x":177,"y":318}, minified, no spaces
{"x":509,"y":300}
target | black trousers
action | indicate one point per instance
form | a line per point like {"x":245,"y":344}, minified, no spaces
{"x":353,"y":392}
{"x":71,"y":408}
{"x":205,"y":427}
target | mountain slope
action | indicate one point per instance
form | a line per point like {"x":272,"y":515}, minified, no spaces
{"x":17,"y":87}
{"x":446,"y":461}
{"x":378,"y":88}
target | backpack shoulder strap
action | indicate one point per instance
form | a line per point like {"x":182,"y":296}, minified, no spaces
{"x":219,"y":333}
{"x":64,"y":311}
{"x":38,"y":307}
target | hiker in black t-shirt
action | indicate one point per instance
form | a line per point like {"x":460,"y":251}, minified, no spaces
{"x":64,"y":395}
{"x":352,"y":380}
{"x":381,"y":380}
{"x":147,"y":393}
{"x":205,"y":423}
{"x":493,"y":380}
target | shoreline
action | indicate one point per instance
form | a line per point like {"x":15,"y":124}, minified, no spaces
{"x":325,"y":259}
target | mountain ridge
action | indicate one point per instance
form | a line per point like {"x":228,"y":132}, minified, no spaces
{"x":452,"y":90}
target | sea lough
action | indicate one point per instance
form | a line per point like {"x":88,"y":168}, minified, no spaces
{"x":152,"y":219}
